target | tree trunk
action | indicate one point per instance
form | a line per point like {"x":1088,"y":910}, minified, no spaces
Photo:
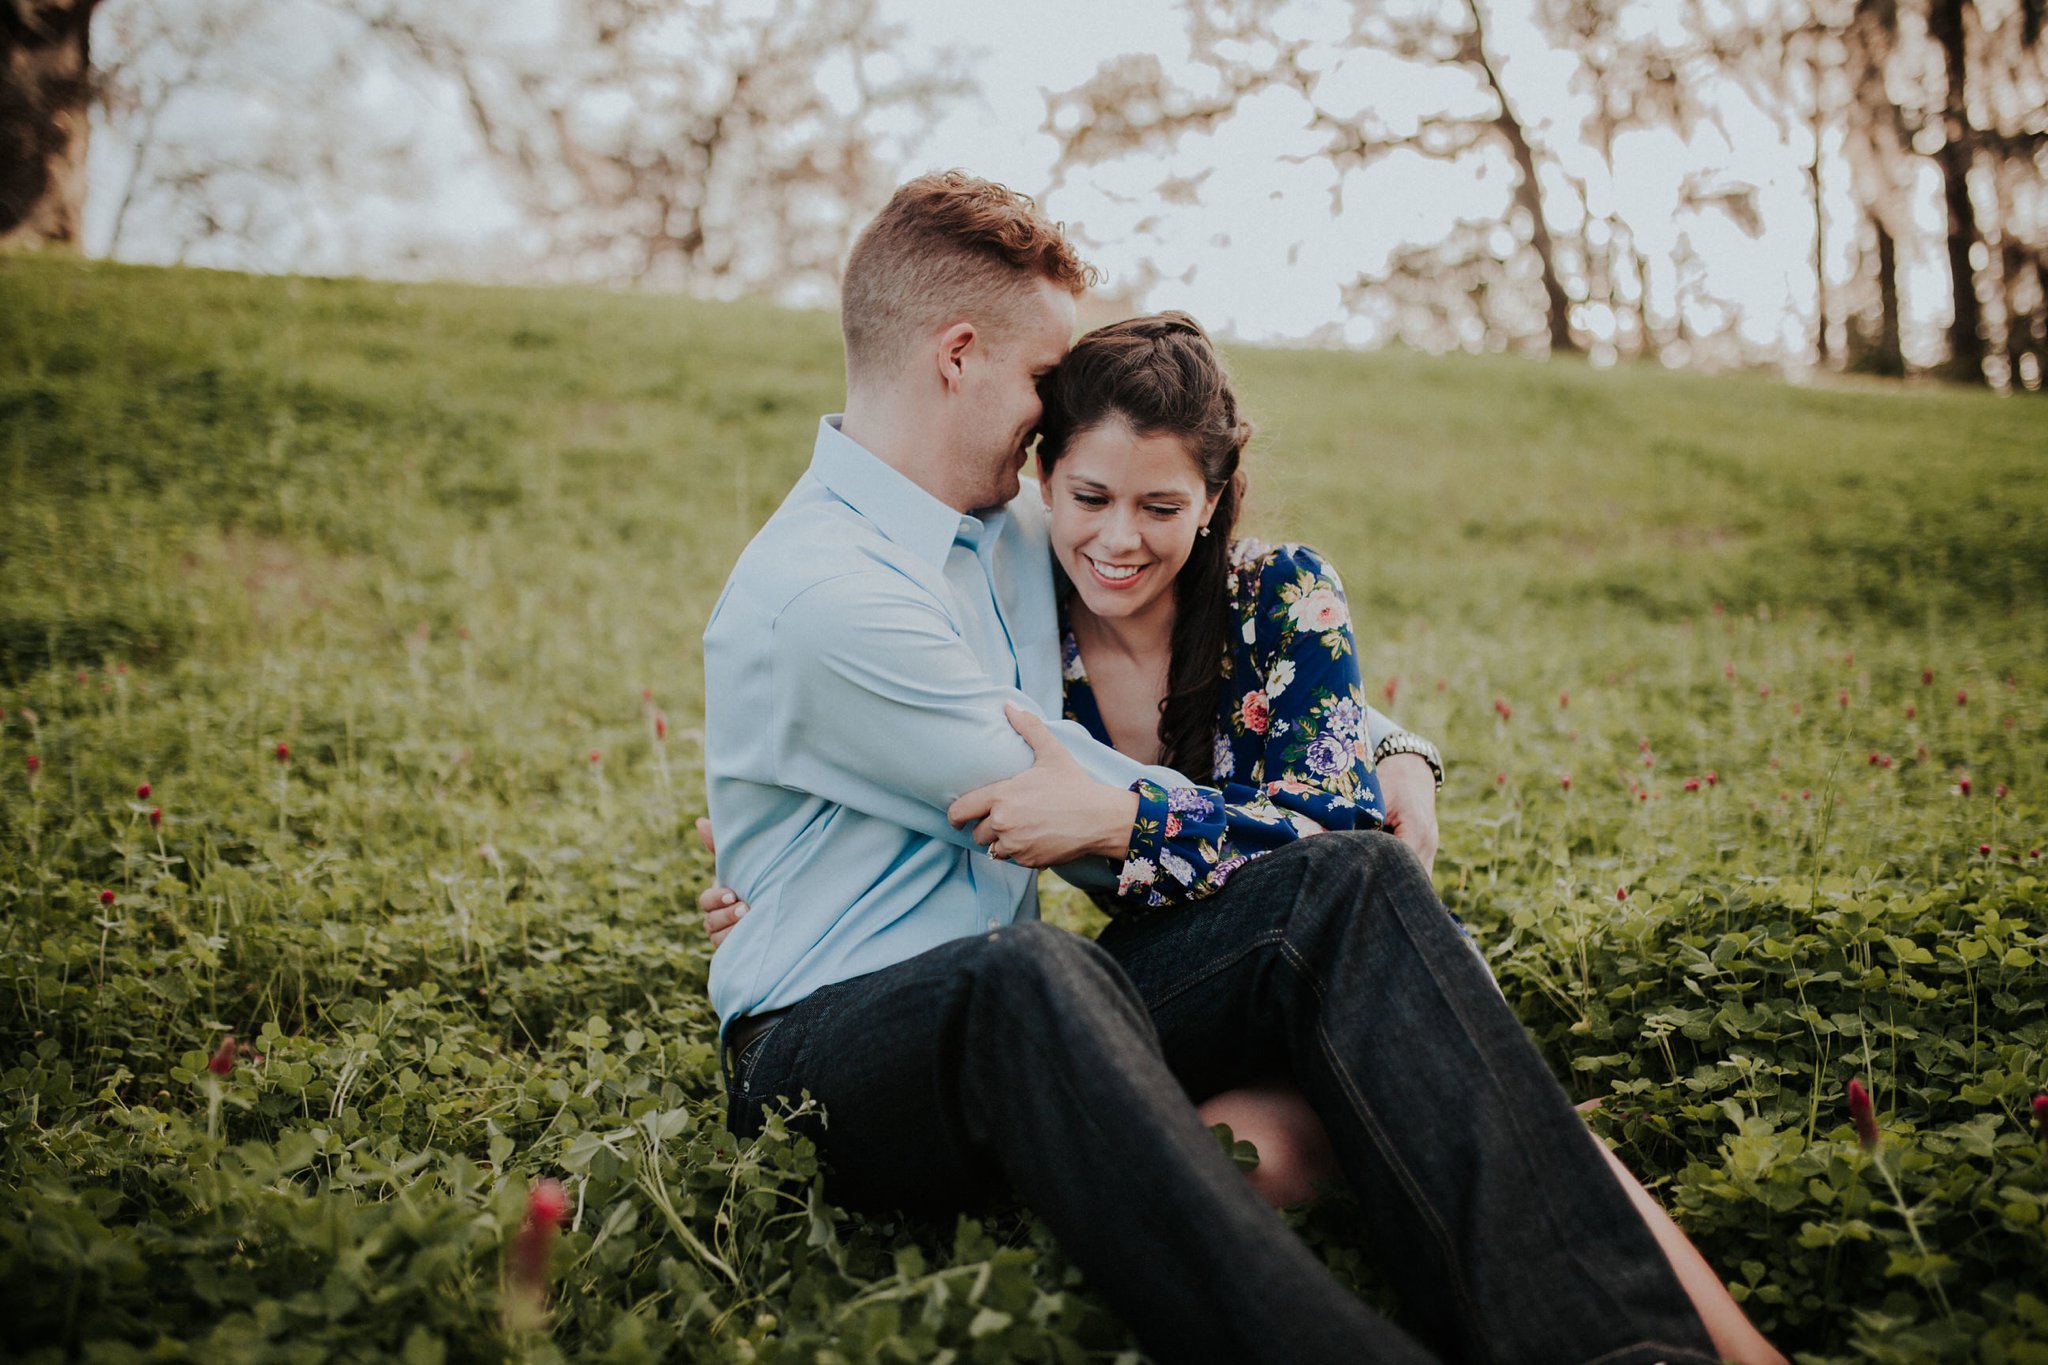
{"x":1820,"y":262}
{"x":1557,"y":305}
{"x":1891,"y":357}
{"x":1945,"y":24}
{"x":1820,"y":228}
{"x":2012,"y":272}
{"x":45,"y":103}
{"x":1528,"y":193}
{"x":1652,"y":346}
{"x":2032,"y":329}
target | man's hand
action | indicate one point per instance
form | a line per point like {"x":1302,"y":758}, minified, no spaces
{"x":1051,"y":813}
{"x":720,"y":907}
{"x":1409,"y":788}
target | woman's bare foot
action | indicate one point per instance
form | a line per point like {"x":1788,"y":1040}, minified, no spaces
{"x":1294,"y":1152}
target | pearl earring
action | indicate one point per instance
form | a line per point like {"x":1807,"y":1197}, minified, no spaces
{"x":1203,"y":531}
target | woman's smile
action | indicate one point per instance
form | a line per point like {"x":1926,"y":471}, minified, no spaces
{"x":1115,"y":576}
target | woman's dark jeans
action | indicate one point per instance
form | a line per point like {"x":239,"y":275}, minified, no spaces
{"x":1032,"y":1061}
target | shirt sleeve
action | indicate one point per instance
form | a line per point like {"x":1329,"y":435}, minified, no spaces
{"x":880,"y":705}
{"x":1306,"y":702}
{"x":1378,"y":726}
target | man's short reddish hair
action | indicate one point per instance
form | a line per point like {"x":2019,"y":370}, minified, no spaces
{"x":947,"y":247}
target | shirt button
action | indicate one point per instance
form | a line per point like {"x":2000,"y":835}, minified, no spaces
{"x":992,"y":922}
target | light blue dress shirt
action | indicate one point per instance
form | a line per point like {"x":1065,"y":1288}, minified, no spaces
{"x":855,"y":668}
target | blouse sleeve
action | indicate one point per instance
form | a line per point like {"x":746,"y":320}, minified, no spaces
{"x":1305,"y":700}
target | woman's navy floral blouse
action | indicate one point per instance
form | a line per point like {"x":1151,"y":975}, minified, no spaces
{"x":1292,"y":755}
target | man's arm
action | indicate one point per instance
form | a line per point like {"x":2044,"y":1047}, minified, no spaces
{"x":1378,"y":727}
{"x":886,"y":710}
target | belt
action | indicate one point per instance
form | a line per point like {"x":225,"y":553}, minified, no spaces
{"x":744,"y":1033}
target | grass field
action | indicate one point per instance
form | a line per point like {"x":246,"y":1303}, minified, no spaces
{"x":1742,"y":687}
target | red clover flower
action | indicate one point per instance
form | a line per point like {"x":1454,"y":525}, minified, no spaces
{"x":1863,"y":1116}
{"x":547,"y":1204}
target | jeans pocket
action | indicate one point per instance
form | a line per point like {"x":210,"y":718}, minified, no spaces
{"x":752,"y":1060}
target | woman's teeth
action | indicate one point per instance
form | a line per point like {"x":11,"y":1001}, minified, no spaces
{"x":1115,"y":573}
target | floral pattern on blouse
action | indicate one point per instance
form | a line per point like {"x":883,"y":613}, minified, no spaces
{"x":1292,"y":753}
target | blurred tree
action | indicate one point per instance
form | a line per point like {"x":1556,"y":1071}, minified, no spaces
{"x":1633,"y":77}
{"x":1895,"y":84}
{"x":1250,"y":46}
{"x":1562,"y":268}
{"x":1955,"y":152}
{"x":1877,"y":144}
{"x":690,"y":144}
{"x":45,"y":105}
{"x":2013,"y":140}
{"x":1964,"y":85}
{"x":697,"y":144}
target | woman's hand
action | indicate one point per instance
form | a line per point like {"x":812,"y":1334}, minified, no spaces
{"x":720,"y":907}
{"x":1051,"y":813}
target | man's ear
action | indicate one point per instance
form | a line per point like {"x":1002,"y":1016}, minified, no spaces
{"x":951,"y":354}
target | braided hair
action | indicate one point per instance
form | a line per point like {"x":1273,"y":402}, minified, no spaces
{"x":1161,"y":375}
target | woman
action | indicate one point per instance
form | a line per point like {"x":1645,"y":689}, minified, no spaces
{"x":1231,"y":662}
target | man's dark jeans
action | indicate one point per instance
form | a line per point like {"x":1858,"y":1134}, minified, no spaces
{"x":1032,"y":1061}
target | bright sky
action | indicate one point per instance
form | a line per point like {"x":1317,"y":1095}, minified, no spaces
{"x":1259,"y":256}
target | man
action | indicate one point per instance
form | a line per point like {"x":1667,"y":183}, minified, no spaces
{"x":858,"y":667}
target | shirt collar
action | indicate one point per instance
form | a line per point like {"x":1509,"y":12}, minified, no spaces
{"x":902,"y":511}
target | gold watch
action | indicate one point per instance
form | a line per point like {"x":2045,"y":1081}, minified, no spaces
{"x":1401,"y":742}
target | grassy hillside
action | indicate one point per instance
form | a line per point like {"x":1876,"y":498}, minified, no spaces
{"x":453,"y":548}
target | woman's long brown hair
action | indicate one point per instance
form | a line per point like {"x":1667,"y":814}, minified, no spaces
{"x":1161,"y":375}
